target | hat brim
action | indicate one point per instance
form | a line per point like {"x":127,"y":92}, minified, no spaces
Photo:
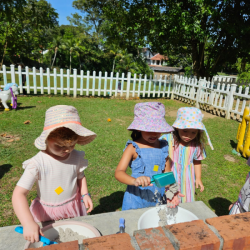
{"x":85,"y":136}
{"x":158,"y":125}
{"x":188,"y":125}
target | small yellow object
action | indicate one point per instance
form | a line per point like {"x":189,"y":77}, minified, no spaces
{"x":109,"y":120}
{"x":11,"y":104}
{"x":6,"y":109}
{"x":156,"y":167}
{"x":59,"y":190}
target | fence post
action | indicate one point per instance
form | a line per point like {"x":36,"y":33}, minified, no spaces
{"x":173,"y":86}
{"x":230,"y":100}
{"x":75,"y":82}
{"x":20,"y":79}
{"x":12,"y":71}
{"x":55,"y":82}
{"x":41,"y":80}
{"x":27,"y":80}
{"x":34,"y":81}
{"x":128,"y":85}
{"x":198,"y":93}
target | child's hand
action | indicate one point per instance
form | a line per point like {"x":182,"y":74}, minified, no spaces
{"x":199,"y":183}
{"x":88,"y":203}
{"x":31,"y":232}
{"x":175,"y":201}
{"x":230,"y":206}
{"x":143,"y":181}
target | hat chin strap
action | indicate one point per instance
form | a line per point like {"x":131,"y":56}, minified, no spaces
{"x":209,"y":141}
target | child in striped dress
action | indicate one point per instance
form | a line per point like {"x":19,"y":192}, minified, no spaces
{"x":186,"y":151}
{"x":58,"y":170}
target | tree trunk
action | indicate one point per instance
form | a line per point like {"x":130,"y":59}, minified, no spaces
{"x":243,"y":65}
{"x":70,"y":63}
{"x":113,"y":65}
{"x":54,"y":57}
{"x":195,"y":59}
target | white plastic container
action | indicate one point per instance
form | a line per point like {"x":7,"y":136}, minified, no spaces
{"x":52,"y":231}
{"x":151,"y":218}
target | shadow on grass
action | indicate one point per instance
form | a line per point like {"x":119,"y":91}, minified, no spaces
{"x":220,"y":205}
{"x":109,"y":203}
{"x":18,"y":107}
{"x":233,"y":144}
{"x":4,"y":169}
{"x":26,"y":107}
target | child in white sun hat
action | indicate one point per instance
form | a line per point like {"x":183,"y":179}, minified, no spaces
{"x":186,"y":151}
{"x":58,"y":170}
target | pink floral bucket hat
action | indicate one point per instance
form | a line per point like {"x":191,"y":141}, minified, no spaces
{"x":191,"y":118}
{"x":63,"y":116}
{"x":150,"y":117}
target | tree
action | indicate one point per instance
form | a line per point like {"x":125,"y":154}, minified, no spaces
{"x":71,"y":46}
{"x":214,"y":32}
{"x":55,"y":44}
{"x":24,"y":29}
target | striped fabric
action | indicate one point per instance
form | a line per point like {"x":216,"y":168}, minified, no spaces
{"x":182,"y":166}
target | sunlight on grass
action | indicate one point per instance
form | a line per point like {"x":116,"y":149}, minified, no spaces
{"x":222,"y":179}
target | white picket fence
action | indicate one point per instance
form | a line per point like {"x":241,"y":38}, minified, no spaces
{"x":218,"y":95}
{"x":225,"y":98}
{"x":87,"y":84}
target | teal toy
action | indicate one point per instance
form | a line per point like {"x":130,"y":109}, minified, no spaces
{"x":164,"y":179}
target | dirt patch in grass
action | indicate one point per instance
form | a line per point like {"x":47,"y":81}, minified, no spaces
{"x":230,"y":158}
{"x":6,"y":138}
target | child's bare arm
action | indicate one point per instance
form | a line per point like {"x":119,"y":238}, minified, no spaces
{"x":82,"y":184}
{"x":31,"y":229}
{"x":167,"y":165}
{"x":197,"y":170}
{"x":120,"y":172}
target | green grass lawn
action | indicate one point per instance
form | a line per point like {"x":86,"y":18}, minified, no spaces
{"x":222,"y":179}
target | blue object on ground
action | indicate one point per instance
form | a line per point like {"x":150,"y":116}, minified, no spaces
{"x":45,"y":241}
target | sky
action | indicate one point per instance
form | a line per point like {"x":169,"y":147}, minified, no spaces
{"x":63,"y":8}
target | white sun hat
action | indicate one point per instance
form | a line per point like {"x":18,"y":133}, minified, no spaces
{"x":63,"y":116}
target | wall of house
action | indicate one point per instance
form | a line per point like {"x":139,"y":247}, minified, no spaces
{"x":163,"y":74}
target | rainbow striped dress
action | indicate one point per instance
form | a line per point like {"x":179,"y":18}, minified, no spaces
{"x":182,"y":165}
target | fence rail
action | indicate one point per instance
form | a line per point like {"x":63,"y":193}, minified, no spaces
{"x":217,"y":95}
{"x":86,"y":84}
{"x":226,"y":98}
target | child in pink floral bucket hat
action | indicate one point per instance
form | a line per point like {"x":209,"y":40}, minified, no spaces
{"x":58,"y":170}
{"x":186,"y":151}
{"x":146,"y":155}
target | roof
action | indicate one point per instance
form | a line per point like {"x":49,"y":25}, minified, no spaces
{"x":166,"y":69}
{"x":159,"y":57}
